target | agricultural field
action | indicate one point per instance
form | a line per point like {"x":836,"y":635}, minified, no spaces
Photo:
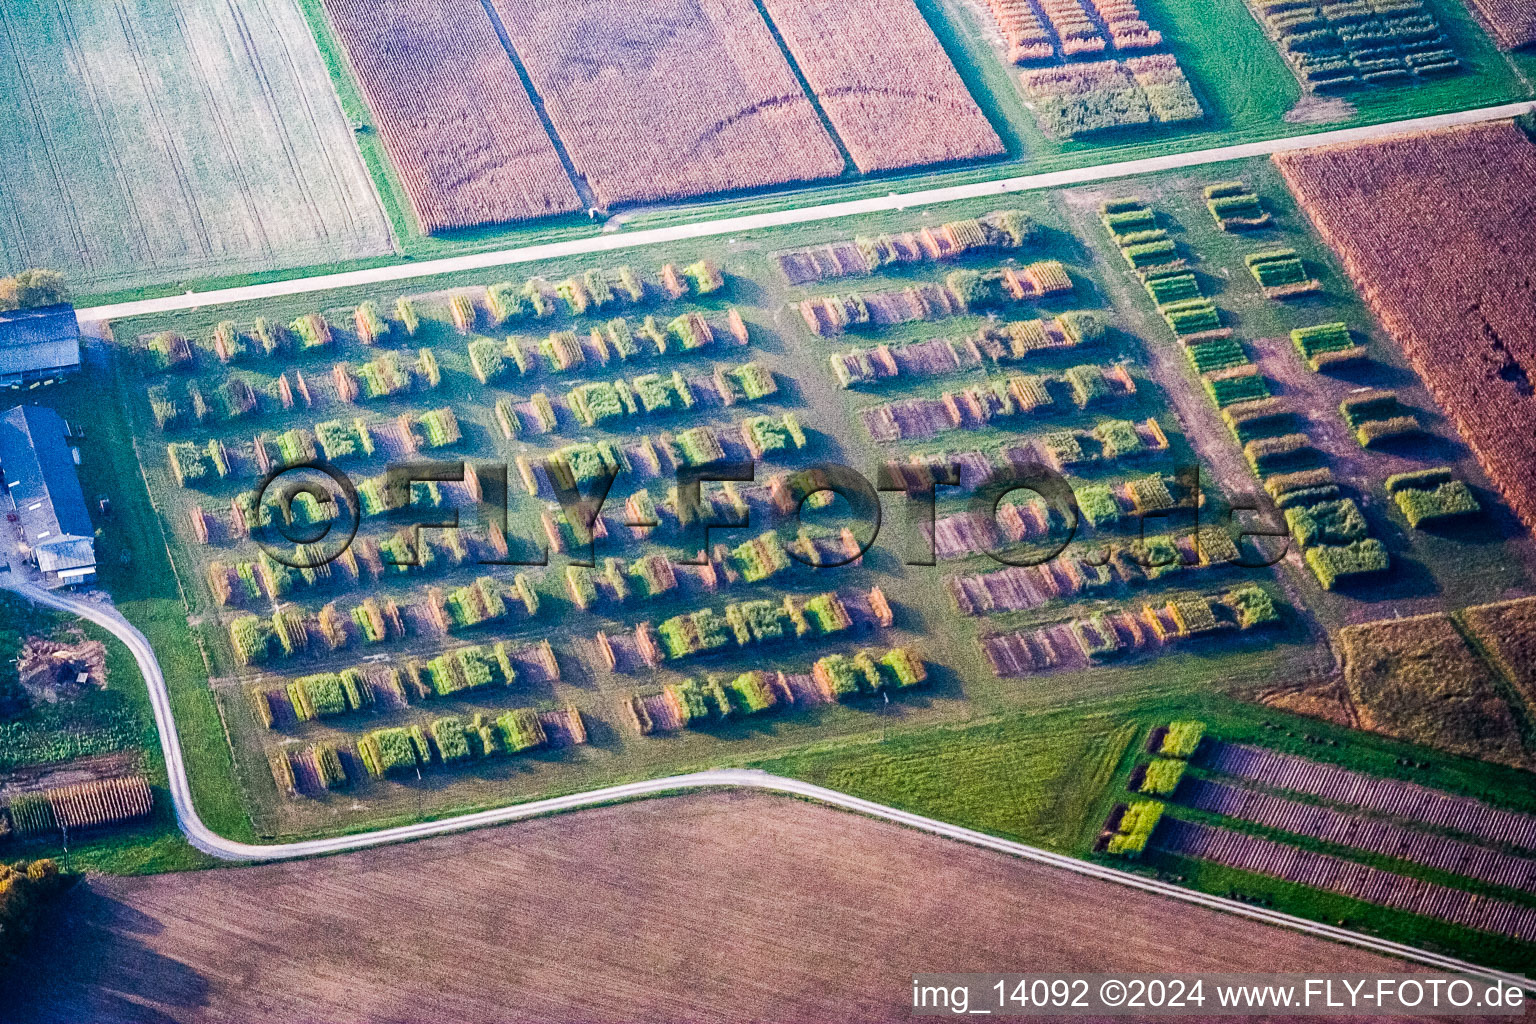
{"x":1085,"y":332}
{"x":1308,"y":814}
{"x":1255,"y":479}
{"x":690,"y":99}
{"x":891,"y":94}
{"x":566,"y":891}
{"x":174,"y":142}
{"x":481,"y":156}
{"x":1513,"y":22}
{"x":1455,"y":294}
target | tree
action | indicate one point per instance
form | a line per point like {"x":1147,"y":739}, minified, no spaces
{"x":25,"y":889}
{"x":31,"y":289}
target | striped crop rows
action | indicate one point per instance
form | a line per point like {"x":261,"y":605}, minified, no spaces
{"x":885,"y":83}
{"x":1347,"y":878}
{"x":1405,"y":800}
{"x":1361,"y":833}
{"x":460,"y":128}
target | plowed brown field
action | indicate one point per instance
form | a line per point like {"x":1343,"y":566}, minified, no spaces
{"x":1435,"y":230}
{"x":703,"y":908}
{"x":453,"y":113}
{"x":669,"y":99}
{"x":885,"y":83}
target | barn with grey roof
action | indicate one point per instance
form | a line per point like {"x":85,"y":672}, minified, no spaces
{"x":38,"y":344}
{"x":43,"y":496}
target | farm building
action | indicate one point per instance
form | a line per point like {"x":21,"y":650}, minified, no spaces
{"x":38,"y":344}
{"x":37,"y":470}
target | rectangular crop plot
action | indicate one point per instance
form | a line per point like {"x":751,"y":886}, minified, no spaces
{"x":1362,"y":833}
{"x":670,"y":99}
{"x":1434,"y":229}
{"x":150,"y":142}
{"x":1348,"y":878}
{"x":1405,"y":800}
{"x":1513,"y":21}
{"x":453,"y":113}
{"x":884,"y":81}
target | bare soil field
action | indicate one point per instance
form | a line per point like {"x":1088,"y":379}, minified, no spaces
{"x":720,"y":907}
{"x":453,"y":113}
{"x":1433,"y":229}
{"x":678,"y":98}
{"x":885,"y":83}
{"x":146,"y":143}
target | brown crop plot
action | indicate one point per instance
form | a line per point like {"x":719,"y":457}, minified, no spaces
{"x":702,"y":908}
{"x":453,"y":113}
{"x":672,"y":99}
{"x":1417,"y":679}
{"x":1435,"y":231}
{"x":1513,"y":21}
{"x":885,"y":83}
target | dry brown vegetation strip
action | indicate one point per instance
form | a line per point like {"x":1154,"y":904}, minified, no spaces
{"x":453,"y":113}
{"x":1513,"y":21}
{"x":703,"y":908}
{"x":1416,"y":679}
{"x":1435,"y":230}
{"x":884,"y":81}
{"x":1508,"y":630}
{"x":671,"y":98}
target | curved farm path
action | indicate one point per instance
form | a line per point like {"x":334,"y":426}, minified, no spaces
{"x":205,"y":839}
{"x":611,"y":241}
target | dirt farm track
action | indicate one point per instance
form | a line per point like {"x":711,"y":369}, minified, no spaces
{"x":717,"y":907}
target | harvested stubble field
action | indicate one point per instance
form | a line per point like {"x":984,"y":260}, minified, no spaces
{"x":1434,"y":230}
{"x":1416,"y":679}
{"x":885,"y":83}
{"x":751,"y":907}
{"x":1513,"y":21}
{"x":682,"y":98}
{"x":151,"y":142}
{"x":453,"y":113}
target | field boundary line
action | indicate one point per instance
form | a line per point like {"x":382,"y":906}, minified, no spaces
{"x":203,"y":838}
{"x":799,"y":215}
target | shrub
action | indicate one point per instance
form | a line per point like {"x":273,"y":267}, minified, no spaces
{"x":1097,"y":504}
{"x":1084,"y":327}
{"x":1334,"y":337}
{"x":312,"y":331}
{"x":1182,"y":739}
{"x":1119,"y":438}
{"x":1369,"y":405}
{"x":1191,"y":316}
{"x":1450,"y":500}
{"x":370,"y":325}
{"x":388,"y":751}
{"x":1374,"y":432}
{"x":1326,"y":522}
{"x":1241,"y":384}
{"x":1251,"y":605}
{"x":486,"y":360}
{"x":1136,"y":827}
{"x":521,"y":730}
{"x":1163,"y":776}
{"x":1420,"y":479}
{"x":252,"y":639}
{"x":452,"y":743}
{"x":405,"y":312}
{"x":1334,"y":563}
